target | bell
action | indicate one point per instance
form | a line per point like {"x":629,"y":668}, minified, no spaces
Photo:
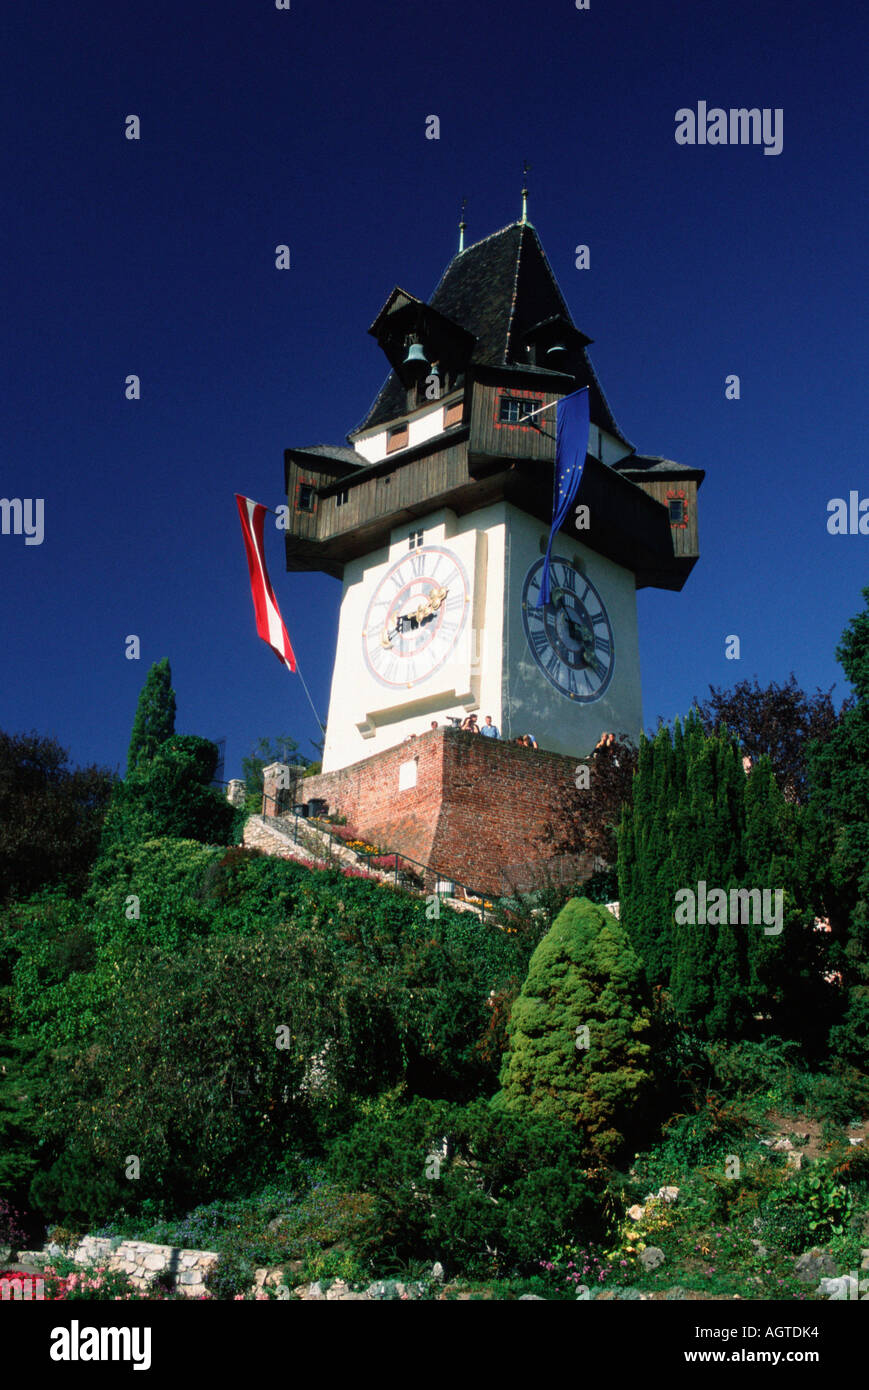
{"x":416,"y":359}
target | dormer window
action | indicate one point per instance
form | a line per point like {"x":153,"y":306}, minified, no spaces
{"x":396,"y":439}
{"x":305,"y":497}
{"x":677,"y":508}
{"x":513,"y":408}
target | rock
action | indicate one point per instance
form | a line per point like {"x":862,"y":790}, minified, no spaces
{"x":315,"y":1290}
{"x":855,"y":1141}
{"x":383,"y":1288}
{"x":781,"y":1146}
{"x":668,"y":1194}
{"x":276,"y":1223}
{"x":864,"y":1263}
{"x":795,"y":1159}
{"x":651,"y":1257}
{"x":337,"y":1291}
{"x":529,"y":1297}
{"x":437,"y":1272}
{"x":813,"y":1265}
{"x":636,"y":1213}
{"x":675,"y":1294}
{"x":843,"y":1287}
{"x":760,"y":1249}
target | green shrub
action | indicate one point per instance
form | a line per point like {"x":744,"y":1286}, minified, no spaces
{"x":807,"y":1211}
{"x":77,"y":1189}
{"x":602,"y":886}
{"x":233,"y":1274}
{"x":584,"y":973}
{"x":508,"y":1189}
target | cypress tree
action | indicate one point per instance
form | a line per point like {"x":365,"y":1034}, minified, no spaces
{"x":643,"y":860}
{"x":787,"y":968}
{"x":839,"y":813}
{"x":155,"y":715}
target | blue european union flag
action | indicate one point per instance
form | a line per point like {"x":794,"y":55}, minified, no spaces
{"x":571,"y":446}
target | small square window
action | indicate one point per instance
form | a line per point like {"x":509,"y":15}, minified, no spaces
{"x":341,"y":497}
{"x":305,"y":502}
{"x":414,"y":540}
{"x":676,"y":508}
{"x":512,"y":409}
{"x":396,"y":439}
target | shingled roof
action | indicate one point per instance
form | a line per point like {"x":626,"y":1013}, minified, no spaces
{"x":498,"y":289}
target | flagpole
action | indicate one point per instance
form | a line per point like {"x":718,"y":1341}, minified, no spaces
{"x":538,"y":410}
{"x":322,"y":727}
{"x":552,"y":404}
{"x":263,"y":595}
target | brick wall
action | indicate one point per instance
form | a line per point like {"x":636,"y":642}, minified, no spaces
{"x":479,"y":810}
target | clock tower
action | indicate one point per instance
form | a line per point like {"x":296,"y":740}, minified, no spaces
{"x":436,"y":518}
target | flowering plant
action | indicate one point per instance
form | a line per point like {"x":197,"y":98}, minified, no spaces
{"x":573,"y":1267}
{"x":12,"y":1232}
{"x":97,"y":1282}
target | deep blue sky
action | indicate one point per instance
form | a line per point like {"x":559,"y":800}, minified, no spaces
{"x":307,"y":127}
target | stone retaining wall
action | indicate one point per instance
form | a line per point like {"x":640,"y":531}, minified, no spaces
{"x":138,"y":1259}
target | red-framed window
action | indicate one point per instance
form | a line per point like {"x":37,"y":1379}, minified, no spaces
{"x":677,"y":506}
{"x":306,"y":495}
{"x":510,"y":406}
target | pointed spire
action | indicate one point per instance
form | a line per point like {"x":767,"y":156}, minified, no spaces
{"x":526,"y":169}
{"x":462,"y":227}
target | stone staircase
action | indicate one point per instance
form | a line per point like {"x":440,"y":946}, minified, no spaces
{"x":308,"y":844}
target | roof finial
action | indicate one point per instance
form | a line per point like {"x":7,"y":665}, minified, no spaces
{"x":526,"y":169}
{"x":462,"y":227}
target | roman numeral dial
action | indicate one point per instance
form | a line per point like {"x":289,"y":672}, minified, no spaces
{"x":571,"y":638}
{"x":415,"y":617}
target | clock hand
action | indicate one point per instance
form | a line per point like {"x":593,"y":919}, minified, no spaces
{"x":426,"y":609}
{"x":574,"y":629}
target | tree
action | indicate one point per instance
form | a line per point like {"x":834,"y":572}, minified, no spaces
{"x":776,"y":720}
{"x":51,"y":815}
{"x":169,"y":794}
{"x":584,"y":975}
{"x":696,"y":816}
{"x":644,"y":868}
{"x":588,"y":823}
{"x":282,"y":749}
{"x":482,"y":1189}
{"x":155,"y":715}
{"x":839,"y":819}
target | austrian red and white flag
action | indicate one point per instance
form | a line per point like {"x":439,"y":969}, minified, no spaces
{"x":269,"y":623}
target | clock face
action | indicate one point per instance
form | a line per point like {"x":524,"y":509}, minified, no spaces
{"x":415,"y":617}
{"x":571,"y":638}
